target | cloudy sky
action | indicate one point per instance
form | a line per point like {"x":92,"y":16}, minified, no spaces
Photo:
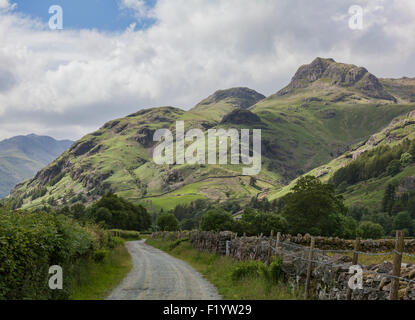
{"x":114,"y":57}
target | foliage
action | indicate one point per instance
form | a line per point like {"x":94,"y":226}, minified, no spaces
{"x":375,"y":163}
{"x":125,"y":234}
{"x":406,"y":159}
{"x":314,"y":208}
{"x":217,"y":220}
{"x":167,"y":222}
{"x":370,"y":230}
{"x":117,"y":213}
{"x":245,"y":269}
{"x":404,"y":221}
{"x":255,"y":222}
{"x":393,"y":168}
{"x":30,"y":244}
{"x":388,"y":199}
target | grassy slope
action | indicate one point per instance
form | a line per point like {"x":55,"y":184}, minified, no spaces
{"x":368,"y":193}
{"x":218,"y":270}
{"x":95,"y":280}
{"x":309,"y":134}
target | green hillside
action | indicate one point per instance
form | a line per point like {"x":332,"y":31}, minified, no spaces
{"x":369,"y":192}
{"x":326,"y":108}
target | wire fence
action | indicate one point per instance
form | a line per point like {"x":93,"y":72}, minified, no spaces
{"x":318,"y":258}
{"x":319,"y":263}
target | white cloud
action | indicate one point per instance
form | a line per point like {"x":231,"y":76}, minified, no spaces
{"x":139,"y":6}
{"x":67,"y":83}
{"x":5,"y":5}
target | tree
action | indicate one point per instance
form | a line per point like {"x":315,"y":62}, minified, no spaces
{"x":388,"y":199}
{"x":117,"y":213}
{"x":188,"y":224}
{"x":403,"y":221}
{"x":406,"y":159}
{"x":167,"y":222}
{"x":217,"y":220}
{"x":314,"y":207}
{"x":393,"y":168}
{"x":256,"y":222}
{"x":370,"y":230}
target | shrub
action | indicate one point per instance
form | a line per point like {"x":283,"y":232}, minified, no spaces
{"x":125,"y":234}
{"x":273,"y":273}
{"x":393,"y":168}
{"x":370,"y":230}
{"x":217,"y":220}
{"x":167,"y":222}
{"x":406,"y":159}
{"x":32,"y":242}
{"x":245,"y":269}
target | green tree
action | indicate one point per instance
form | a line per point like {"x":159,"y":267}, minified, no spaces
{"x":167,"y":222}
{"x":117,"y":213}
{"x":394,"y":167}
{"x":404,"y":221}
{"x":406,"y":159}
{"x":389,"y":199}
{"x":370,"y":230}
{"x":188,"y":224}
{"x":257,"y":222}
{"x":216,"y":220}
{"x":314,"y":207}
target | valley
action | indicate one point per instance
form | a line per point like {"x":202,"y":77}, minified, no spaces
{"x":328,"y":111}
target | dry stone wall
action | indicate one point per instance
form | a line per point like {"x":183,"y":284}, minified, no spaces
{"x":330,"y":274}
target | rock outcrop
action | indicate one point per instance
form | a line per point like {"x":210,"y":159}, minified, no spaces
{"x":339,"y":74}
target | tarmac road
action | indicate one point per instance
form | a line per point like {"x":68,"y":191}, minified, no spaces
{"x":158,"y":276}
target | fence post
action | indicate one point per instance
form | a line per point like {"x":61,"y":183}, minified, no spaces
{"x":354,"y":262}
{"x":397,"y":261}
{"x":277,"y":245}
{"x":309,"y":268}
{"x":270,"y":246}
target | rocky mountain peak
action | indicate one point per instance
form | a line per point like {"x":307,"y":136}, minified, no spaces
{"x":340,"y":74}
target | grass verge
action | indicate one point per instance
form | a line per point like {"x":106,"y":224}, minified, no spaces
{"x":218,"y":270}
{"x":95,"y":280}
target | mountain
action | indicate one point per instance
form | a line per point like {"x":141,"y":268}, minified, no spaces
{"x":22,"y":156}
{"x":326,"y":108}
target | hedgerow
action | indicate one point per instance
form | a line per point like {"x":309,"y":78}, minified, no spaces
{"x":32,"y":242}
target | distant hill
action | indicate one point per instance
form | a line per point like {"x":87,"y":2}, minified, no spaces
{"x":326,"y":109}
{"x":22,"y":156}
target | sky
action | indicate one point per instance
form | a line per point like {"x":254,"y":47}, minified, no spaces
{"x":115,"y":57}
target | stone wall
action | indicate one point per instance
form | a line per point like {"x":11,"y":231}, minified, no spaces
{"x":330,"y":273}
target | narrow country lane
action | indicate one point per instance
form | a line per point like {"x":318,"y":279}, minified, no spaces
{"x":158,"y":276}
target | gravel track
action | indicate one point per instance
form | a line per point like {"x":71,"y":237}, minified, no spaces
{"x":158,"y":276}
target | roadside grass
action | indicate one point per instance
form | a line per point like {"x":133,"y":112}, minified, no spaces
{"x":95,"y":280}
{"x":218,"y":271}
